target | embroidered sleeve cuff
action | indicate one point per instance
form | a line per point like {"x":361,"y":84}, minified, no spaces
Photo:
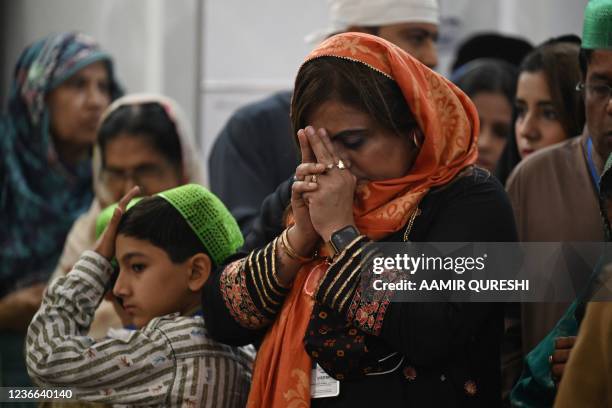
{"x":340,"y":281}
{"x":251,"y":290}
{"x":261,"y":280}
{"x":368,"y":306}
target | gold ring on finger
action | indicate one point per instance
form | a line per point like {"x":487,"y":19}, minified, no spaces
{"x":313,"y":178}
{"x":340,"y":165}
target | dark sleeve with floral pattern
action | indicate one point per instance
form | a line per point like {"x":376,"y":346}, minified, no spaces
{"x":340,"y":288}
{"x":250,"y":288}
{"x":243,"y":299}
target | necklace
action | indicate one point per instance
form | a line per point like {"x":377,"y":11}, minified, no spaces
{"x":410,"y":222}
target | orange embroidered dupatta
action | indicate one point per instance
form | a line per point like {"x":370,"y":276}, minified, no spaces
{"x":449,"y":122}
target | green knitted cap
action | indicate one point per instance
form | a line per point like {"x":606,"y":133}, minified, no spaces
{"x":207,"y":216}
{"x":597,"y":26}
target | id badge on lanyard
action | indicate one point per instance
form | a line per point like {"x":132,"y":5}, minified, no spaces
{"x":322,"y":385}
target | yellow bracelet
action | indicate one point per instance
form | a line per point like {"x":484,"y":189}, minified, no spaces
{"x":291,"y":253}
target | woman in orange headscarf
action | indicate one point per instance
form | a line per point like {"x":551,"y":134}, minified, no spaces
{"x":387,"y":148}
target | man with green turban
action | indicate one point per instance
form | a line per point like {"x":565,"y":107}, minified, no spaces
{"x":554,"y":193}
{"x":596,"y":64}
{"x":588,"y":376}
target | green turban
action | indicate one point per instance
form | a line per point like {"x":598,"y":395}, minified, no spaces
{"x":597,"y":28}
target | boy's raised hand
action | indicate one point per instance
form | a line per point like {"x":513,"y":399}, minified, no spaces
{"x":106,"y":244}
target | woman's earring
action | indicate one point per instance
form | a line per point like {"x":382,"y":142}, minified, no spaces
{"x":415,"y":139}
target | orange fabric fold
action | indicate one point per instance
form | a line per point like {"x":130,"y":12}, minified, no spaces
{"x":450,"y":124}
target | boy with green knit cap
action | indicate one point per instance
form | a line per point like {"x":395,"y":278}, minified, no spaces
{"x":166,"y":246}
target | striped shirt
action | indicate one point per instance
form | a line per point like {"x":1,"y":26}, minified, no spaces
{"x":170,"y":362}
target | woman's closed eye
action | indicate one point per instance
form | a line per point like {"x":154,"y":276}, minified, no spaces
{"x":352,"y":140}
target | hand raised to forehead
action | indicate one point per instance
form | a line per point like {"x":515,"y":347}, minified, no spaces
{"x":331,"y":203}
{"x":106,"y":244}
{"x":302,"y":184}
{"x":321,"y":146}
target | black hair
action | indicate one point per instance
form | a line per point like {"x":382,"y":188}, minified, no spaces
{"x":565,"y":38}
{"x":155,"y":220}
{"x":584,"y":58}
{"x":354,"y":84}
{"x":147,"y":120}
{"x":487,"y":75}
{"x":491,"y":45}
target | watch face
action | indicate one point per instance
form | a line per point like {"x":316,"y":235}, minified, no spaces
{"x":341,"y":238}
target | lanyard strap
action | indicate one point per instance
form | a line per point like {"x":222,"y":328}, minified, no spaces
{"x":594,"y":176}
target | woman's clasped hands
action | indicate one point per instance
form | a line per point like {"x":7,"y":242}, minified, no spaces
{"x":324,"y":187}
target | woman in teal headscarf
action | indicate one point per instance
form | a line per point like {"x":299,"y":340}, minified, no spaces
{"x":61,"y":86}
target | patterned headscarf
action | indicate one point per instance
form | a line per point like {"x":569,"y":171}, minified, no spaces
{"x":445,"y":115}
{"x":39,"y":196}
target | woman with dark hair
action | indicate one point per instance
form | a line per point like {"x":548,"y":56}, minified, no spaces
{"x":548,"y":110}
{"x":142,"y":140}
{"x":388,"y":148}
{"x":491,"y":84}
{"x":61,"y":85}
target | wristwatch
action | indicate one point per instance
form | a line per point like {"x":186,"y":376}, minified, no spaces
{"x":341,"y":238}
